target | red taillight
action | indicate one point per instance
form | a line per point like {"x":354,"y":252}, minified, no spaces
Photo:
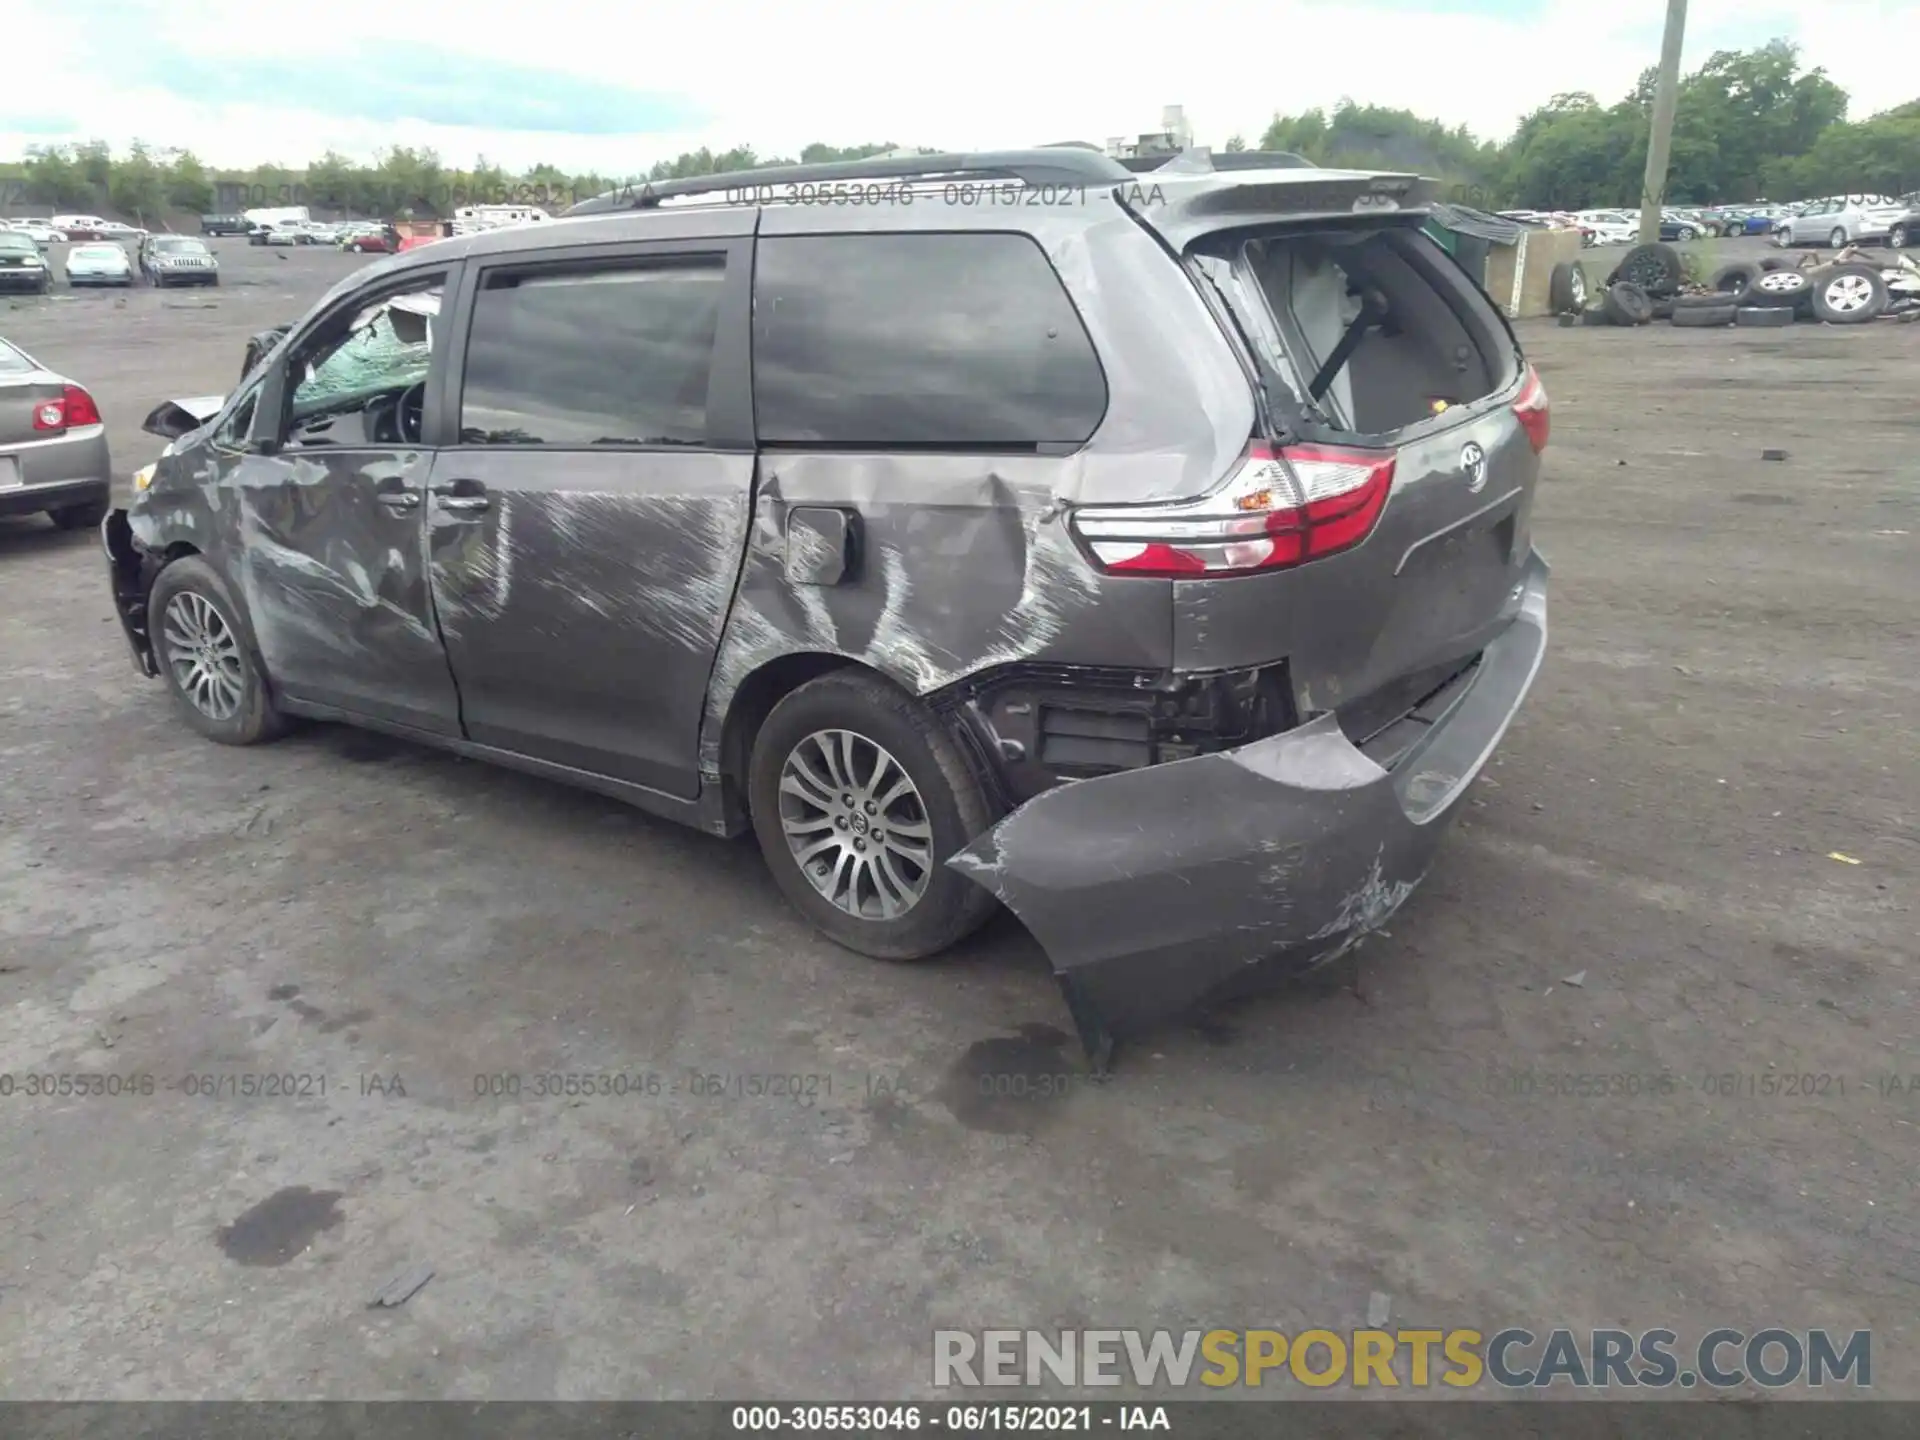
{"x":74,"y":407}
{"x":1532,"y":410}
{"x":1277,"y":509}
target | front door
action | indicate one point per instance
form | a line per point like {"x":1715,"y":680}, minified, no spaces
{"x":587,"y":517}
{"x":331,"y":553}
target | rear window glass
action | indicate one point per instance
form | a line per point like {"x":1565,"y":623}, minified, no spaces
{"x":12,"y":362}
{"x":1365,"y":330}
{"x":919,"y":340}
{"x":613,"y":355}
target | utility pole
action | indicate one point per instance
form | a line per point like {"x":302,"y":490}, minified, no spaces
{"x":1666,"y":96}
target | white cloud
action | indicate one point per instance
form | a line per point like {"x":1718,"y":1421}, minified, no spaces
{"x":997,"y":74}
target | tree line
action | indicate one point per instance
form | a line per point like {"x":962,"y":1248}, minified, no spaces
{"x":1750,"y":125}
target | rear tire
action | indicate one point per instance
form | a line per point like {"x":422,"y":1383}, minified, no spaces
{"x":893,"y":738}
{"x":206,"y":655}
{"x":1897,"y":238}
{"x":1838,"y":239}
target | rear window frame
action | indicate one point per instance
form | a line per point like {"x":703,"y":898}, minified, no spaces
{"x":1295,"y":416}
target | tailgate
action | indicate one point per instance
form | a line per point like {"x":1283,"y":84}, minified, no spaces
{"x":1366,"y":336}
{"x":1425,"y":591}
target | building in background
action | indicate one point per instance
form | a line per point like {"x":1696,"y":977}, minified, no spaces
{"x":1173,"y":136}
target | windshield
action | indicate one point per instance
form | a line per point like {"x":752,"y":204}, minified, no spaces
{"x":98,"y":252}
{"x":179,"y":247}
{"x":13,"y":240}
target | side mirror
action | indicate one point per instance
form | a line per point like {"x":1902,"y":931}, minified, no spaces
{"x":173,"y":418}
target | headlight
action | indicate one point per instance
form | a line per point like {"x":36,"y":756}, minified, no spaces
{"x":143,"y":477}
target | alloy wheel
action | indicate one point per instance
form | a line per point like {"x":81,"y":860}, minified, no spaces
{"x":204,"y":656}
{"x":1848,"y":293}
{"x":856,"y":825}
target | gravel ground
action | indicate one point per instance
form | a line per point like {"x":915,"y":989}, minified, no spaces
{"x":1729,"y":705}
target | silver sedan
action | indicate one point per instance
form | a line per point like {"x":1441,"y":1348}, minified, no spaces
{"x":99,"y":263}
{"x":53,"y":446}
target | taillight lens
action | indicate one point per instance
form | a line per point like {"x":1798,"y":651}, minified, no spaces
{"x":74,"y":407}
{"x":1531,"y":409}
{"x":1279,"y":508}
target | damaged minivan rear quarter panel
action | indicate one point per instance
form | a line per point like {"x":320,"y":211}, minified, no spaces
{"x":958,"y":558}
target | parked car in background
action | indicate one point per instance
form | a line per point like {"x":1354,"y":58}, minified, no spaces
{"x":80,"y":227}
{"x":1840,"y":221}
{"x":40,"y":232}
{"x":955,"y":576}
{"x":1905,"y":229}
{"x":259,"y":234}
{"x":98,"y":263}
{"x":376,"y":240}
{"x":53,"y":446}
{"x":22,"y":266}
{"x":115,"y":230}
{"x":1609,"y":227}
{"x":225,"y":225}
{"x":177,"y":260}
{"x":1681,"y":225}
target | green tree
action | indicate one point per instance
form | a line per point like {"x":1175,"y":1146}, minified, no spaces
{"x":53,"y":178}
{"x":1235,"y":144}
{"x":136,"y":186}
{"x":95,"y":162}
{"x":188,"y":187}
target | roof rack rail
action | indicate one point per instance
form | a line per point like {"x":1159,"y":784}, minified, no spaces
{"x":1059,"y":166}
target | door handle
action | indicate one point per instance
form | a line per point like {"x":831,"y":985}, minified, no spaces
{"x":462,"y":497}
{"x":399,"y":499}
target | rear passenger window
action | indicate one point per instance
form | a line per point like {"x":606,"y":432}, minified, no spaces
{"x":612,"y":355}
{"x":919,"y":340}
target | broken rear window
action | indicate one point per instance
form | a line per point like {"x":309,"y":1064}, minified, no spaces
{"x":1368,"y":329}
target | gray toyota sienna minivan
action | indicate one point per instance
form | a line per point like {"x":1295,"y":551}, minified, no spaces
{"x":1148,"y":553}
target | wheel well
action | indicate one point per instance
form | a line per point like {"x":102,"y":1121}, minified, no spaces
{"x":754,"y":701}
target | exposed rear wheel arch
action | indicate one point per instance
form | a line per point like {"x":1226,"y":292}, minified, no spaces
{"x":754,"y":701}
{"x":859,"y":795}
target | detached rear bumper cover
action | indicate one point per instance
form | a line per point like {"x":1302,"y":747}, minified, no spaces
{"x":1152,"y":889}
{"x":129,"y":577}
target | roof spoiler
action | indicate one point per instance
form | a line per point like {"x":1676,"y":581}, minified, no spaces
{"x":1201,"y":161}
{"x":1181,"y":214}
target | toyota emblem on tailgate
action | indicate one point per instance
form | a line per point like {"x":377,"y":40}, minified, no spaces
{"x":1473,"y":460}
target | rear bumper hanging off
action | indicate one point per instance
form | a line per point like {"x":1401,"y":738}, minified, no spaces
{"x":1153,"y":889}
{"x":129,"y":577}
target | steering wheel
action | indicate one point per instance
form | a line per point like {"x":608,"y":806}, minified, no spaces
{"x":410,"y":413}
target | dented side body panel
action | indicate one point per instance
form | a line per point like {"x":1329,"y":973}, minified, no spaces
{"x":1154,"y":889}
{"x":963,"y":563}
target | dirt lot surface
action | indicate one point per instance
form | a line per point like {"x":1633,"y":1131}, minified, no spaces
{"x":1645,"y":886}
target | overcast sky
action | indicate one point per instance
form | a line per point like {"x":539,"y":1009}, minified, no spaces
{"x":595,"y":85}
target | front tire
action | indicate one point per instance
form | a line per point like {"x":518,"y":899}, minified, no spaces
{"x":1838,"y":239}
{"x":858,"y":798}
{"x":1897,"y":237}
{"x":207,"y":658}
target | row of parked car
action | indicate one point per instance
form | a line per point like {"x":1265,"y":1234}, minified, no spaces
{"x":1833,"y":220}
{"x":160,"y":260}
